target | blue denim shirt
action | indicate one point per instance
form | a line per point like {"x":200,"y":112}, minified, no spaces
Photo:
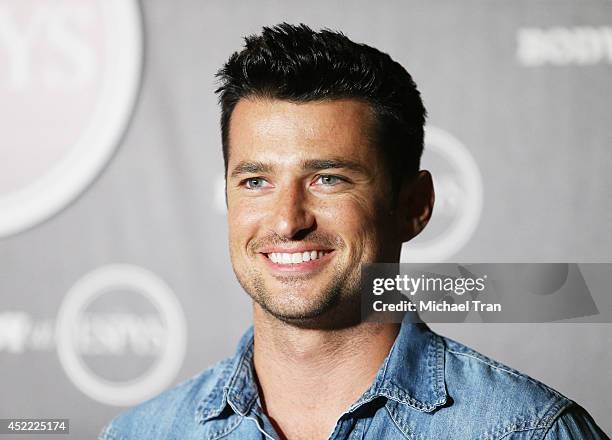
{"x":428,"y":387}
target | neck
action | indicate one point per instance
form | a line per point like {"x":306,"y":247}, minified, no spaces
{"x":314,"y":372}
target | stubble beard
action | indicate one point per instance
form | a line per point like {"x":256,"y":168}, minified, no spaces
{"x":335,"y":305}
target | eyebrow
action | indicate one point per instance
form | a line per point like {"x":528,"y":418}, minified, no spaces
{"x":248,"y":167}
{"x":251,"y":168}
{"x":325,"y":164}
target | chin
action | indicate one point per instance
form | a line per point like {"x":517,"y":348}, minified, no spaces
{"x":297,"y":306}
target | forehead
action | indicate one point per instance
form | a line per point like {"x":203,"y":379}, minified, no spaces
{"x":285,"y":129}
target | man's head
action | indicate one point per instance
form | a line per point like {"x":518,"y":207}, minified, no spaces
{"x":297,"y":64}
{"x":322,"y":139}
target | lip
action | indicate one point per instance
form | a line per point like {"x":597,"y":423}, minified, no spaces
{"x":293,"y":250}
{"x":305,"y":267}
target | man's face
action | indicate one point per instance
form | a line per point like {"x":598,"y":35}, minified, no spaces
{"x":308,"y":202}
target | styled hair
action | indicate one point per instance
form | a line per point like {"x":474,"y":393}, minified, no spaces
{"x":295,"y":63}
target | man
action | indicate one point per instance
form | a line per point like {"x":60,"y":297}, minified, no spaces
{"x":321,"y":140}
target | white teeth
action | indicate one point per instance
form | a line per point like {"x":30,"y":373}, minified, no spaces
{"x":296,"y":258}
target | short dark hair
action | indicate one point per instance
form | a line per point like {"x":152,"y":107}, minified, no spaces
{"x":297,"y":64}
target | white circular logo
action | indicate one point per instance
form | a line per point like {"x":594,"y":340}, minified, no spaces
{"x":459,"y":195}
{"x":69,"y":78}
{"x":172,"y":337}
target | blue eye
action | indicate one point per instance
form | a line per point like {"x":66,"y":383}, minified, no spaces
{"x":329,"y":180}
{"x":255,"y":183}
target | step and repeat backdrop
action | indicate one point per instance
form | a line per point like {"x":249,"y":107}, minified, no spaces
{"x":112,"y":214}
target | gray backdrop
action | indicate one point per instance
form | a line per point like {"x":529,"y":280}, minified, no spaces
{"x":134,"y":265}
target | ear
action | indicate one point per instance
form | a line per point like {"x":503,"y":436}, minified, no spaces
{"x":415,"y":205}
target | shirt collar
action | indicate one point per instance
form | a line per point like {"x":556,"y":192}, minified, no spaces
{"x":235,"y":386}
{"x":412,"y":374}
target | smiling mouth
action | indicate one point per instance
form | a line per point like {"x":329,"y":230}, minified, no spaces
{"x":284,"y":258}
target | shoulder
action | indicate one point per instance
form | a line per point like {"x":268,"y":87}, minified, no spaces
{"x":574,"y":422}
{"x":505,"y":401}
{"x":173,"y":411}
{"x":482,"y":373}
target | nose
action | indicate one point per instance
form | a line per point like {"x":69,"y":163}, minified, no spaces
{"x":291,"y":212}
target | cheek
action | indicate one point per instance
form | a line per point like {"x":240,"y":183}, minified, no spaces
{"x":243,"y":221}
{"x":354,"y":220}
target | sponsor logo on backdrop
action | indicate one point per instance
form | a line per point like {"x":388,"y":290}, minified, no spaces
{"x":81,"y":331}
{"x":120,"y":334}
{"x":564,"y":46}
{"x":70,"y":75}
{"x":459,"y":195}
